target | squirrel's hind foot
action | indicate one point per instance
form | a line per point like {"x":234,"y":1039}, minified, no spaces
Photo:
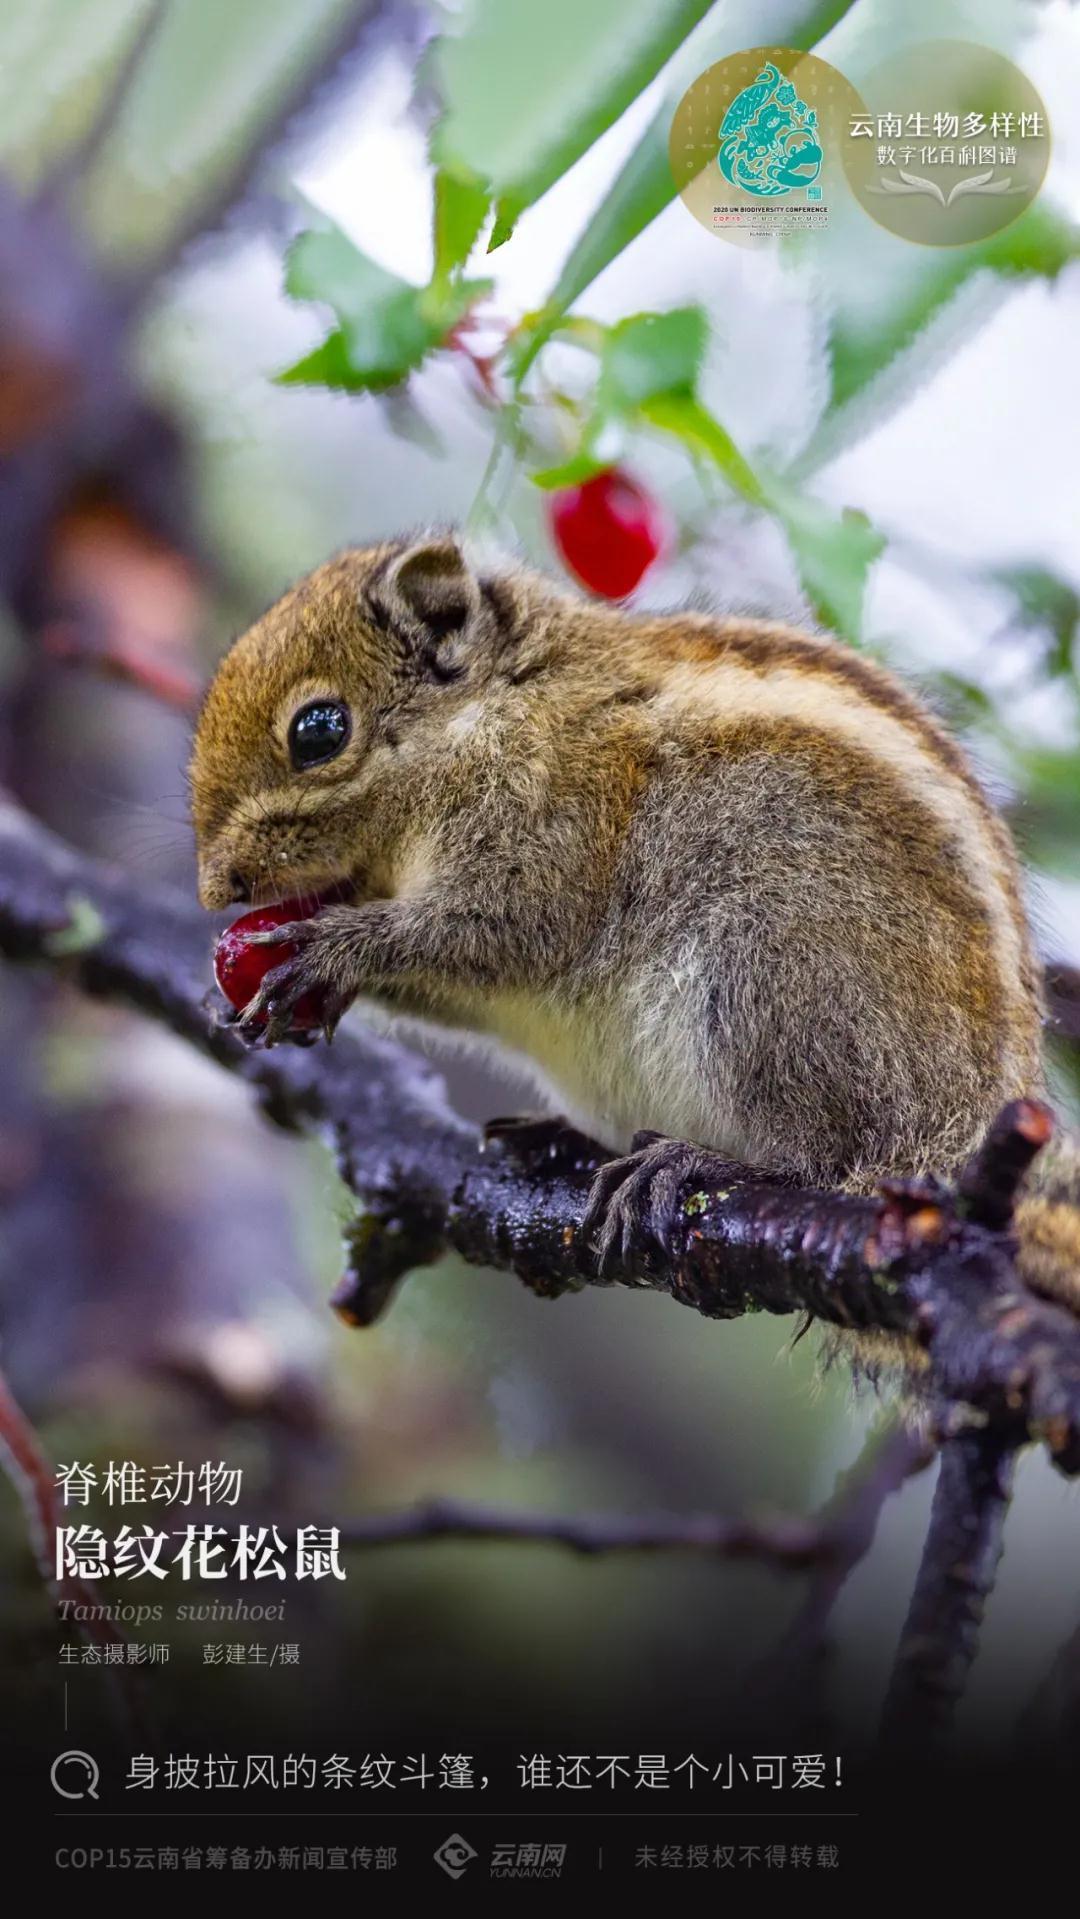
{"x":634,"y":1208}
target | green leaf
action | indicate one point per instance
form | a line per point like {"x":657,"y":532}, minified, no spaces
{"x":641,"y":192}
{"x":965,"y":704}
{"x":328,"y":365}
{"x":1038,"y":243}
{"x":703,"y":436}
{"x":1046,"y":603}
{"x":649,"y":365}
{"x":325,"y":264}
{"x":1049,"y":780}
{"x":508,"y":211}
{"x":214,"y":85}
{"x":528,"y":88}
{"x":386,"y":326}
{"x":650,"y":354}
{"x":834,"y":556}
{"x":461,"y":206}
{"x":644,"y":359}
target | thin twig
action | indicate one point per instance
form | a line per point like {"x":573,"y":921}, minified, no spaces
{"x":67,"y":641}
{"x":1051,"y":1718}
{"x":792,"y":1679}
{"x":32,"y":1478}
{"x":851,"y":1520}
{"x":782,"y":1542}
{"x":989,"y":1186}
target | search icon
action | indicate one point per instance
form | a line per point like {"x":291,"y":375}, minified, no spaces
{"x":84,"y":1766}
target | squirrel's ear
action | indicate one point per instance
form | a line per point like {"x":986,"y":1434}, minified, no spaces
{"x":431,"y":594}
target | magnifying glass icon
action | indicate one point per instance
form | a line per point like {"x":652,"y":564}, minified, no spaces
{"x":78,"y":1766}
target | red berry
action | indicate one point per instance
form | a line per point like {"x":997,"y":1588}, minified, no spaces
{"x":609,"y":531}
{"x":240,"y":967}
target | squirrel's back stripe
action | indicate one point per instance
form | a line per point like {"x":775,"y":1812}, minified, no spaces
{"x":731,"y":692}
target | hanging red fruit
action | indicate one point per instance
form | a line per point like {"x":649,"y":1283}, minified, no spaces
{"x":609,"y":531}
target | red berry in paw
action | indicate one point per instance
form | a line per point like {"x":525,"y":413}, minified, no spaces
{"x":240,"y":968}
{"x":609,"y":531}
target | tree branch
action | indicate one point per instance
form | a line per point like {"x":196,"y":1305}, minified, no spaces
{"x":850,"y":1521}
{"x":789,"y":1687}
{"x":956,"y":1575}
{"x":784,"y":1543}
{"x":830,"y":1545}
{"x":914,"y":1259}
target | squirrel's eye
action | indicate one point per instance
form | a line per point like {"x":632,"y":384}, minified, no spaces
{"x":317,"y":732}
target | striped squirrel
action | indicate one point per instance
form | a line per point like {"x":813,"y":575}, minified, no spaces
{"x":715,"y":879}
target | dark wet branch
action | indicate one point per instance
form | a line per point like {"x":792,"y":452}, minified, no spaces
{"x":914,"y":1259}
{"x":956,"y":1576}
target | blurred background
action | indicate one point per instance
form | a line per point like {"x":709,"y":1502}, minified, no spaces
{"x":189,"y":196}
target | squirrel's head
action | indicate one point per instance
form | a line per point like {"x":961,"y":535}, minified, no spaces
{"x":309,"y":709}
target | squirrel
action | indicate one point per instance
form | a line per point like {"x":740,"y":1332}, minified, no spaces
{"x":719,"y":881}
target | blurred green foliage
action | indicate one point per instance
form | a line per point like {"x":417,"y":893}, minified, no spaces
{"x":505,"y":132}
{"x":526,"y":90}
{"x":386,"y":327}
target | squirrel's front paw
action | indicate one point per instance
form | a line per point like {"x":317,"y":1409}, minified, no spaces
{"x":634,"y":1205}
{"x":306,"y":991}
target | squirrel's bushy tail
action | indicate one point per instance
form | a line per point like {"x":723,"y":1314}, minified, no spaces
{"x":1048,"y":1222}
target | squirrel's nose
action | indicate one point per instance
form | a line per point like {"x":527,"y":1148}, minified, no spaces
{"x":221,"y":886}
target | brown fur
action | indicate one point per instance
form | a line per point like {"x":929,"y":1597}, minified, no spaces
{"x":719,"y":879}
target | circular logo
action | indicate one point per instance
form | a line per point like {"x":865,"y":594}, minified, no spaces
{"x":951,"y":144}
{"x":75,"y":1775}
{"x":755,"y":143}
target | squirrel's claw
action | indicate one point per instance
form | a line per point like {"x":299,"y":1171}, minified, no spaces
{"x":267,"y":1019}
{"x":634,"y":1209}
{"x":334,"y":1006}
{"x":292,"y":933}
{"x":268,"y":1016}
